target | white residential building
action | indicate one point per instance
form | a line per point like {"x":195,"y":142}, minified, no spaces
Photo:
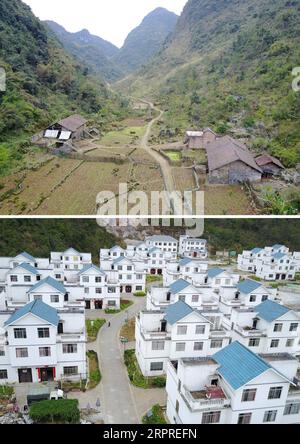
{"x":192,"y":247}
{"x":165,"y":243}
{"x":131,"y":275}
{"x":177,"y":332}
{"x":191,"y":270}
{"x":69,"y":262}
{"x":233,"y":386}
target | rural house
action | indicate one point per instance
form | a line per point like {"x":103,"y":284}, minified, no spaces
{"x":269,"y":165}
{"x":230,"y":162}
{"x":72,"y":127}
{"x":199,"y":139}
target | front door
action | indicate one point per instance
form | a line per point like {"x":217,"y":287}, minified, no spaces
{"x":25,"y":375}
{"x":128,"y":289}
{"x":153,"y":271}
{"x":87,"y":305}
{"x":47,"y":374}
{"x":99,"y":304}
{"x":277,"y":277}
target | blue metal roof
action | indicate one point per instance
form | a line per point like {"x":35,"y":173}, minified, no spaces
{"x":270,"y":310}
{"x":71,"y":251}
{"x":116,"y":247}
{"x":248,"y":285}
{"x":153,"y":249}
{"x":177,"y":311}
{"x":50,"y":281}
{"x":256,"y":250}
{"x":28,"y":268}
{"x":162,"y":238}
{"x":277,"y":246}
{"x":120,"y":259}
{"x":178,"y":286}
{"x":278,"y":256}
{"x":37,"y":308}
{"x":185,"y":261}
{"x":213,"y":272}
{"x":93,"y":267}
{"x":239,"y":365}
{"x":28,"y":256}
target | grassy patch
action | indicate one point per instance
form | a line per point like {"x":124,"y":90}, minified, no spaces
{"x":135,"y":375}
{"x":153,"y":278}
{"x":93,"y":328}
{"x":140,"y":294}
{"x":6,"y":391}
{"x":156,"y":416}
{"x":123,"y":306}
{"x":175,"y":156}
{"x":63,"y":411}
{"x":128,"y":330}
{"x":94,"y":370}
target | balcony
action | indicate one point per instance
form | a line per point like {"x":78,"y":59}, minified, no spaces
{"x":218,"y":333}
{"x":249,"y":331}
{"x":210,"y":397}
{"x":155,"y":335}
{"x":71,"y":337}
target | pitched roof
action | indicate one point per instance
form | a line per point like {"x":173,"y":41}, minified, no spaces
{"x":177,"y":311}
{"x":278,"y":256}
{"x":161,"y":238}
{"x":50,"y":281}
{"x":194,"y":133}
{"x":248,"y":285}
{"x":28,"y":268}
{"x":226,"y":150}
{"x":71,"y":250}
{"x":239,"y":365}
{"x":178,"y":286}
{"x":37,"y":308}
{"x":213,"y":272}
{"x":153,"y":249}
{"x":265,"y":159}
{"x":185,"y":261}
{"x":28,"y":256}
{"x":270,"y":310}
{"x":89,"y":267}
{"x":73,"y":123}
{"x":256,"y":250}
{"x":277,"y":246}
{"x":116,"y":247}
{"x":121,"y":259}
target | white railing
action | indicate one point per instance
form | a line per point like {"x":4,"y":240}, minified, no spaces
{"x":249,"y":332}
{"x":198,"y":404}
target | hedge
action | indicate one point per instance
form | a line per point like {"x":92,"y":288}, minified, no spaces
{"x":63,"y":411}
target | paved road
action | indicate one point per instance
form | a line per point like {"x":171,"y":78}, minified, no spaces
{"x":116,"y":393}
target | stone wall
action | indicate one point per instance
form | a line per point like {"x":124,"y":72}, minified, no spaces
{"x":236,"y":172}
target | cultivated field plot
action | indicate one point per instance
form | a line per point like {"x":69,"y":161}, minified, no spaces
{"x":78,"y":194}
{"x":146,"y":178}
{"x":141,"y":155}
{"x":110,"y":152}
{"x":184,"y":179}
{"x":127,"y":136}
{"x":196,"y":155}
{"x":226,"y":199}
{"x":35,"y":186}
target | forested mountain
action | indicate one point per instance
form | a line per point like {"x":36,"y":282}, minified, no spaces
{"x":39,"y":237}
{"x":44,"y":82}
{"x":228,"y":65}
{"x":146,"y":40}
{"x":90,"y":50}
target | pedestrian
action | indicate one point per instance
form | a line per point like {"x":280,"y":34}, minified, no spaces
{"x":98,"y":403}
{"x":109,"y":324}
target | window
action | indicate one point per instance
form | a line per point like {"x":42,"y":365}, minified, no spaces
{"x":270,"y":416}
{"x":254,"y":342}
{"x":274,"y":343}
{"x":44,"y":352}
{"x":264,"y":298}
{"x":43,"y":333}
{"x":98,"y":280}
{"x":87,"y":290}
{"x":111,"y":290}
{"x":69,"y":371}
{"x":198,"y":346}
{"x":195,"y":298}
{"x":129,"y":268}
{"x":27,"y":278}
{"x":244,"y":418}
{"x":139,"y":288}
{"x":182,"y":329}
{"x":156,"y":366}
{"x":129,"y":277}
{"x":252,"y":298}
{"x":292,"y":409}
{"x":3,"y":374}
{"x":14,"y":279}
{"x":289,"y":342}
{"x":216,"y":343}
{"x":211,"y":417}
{"x":278,"y":327}
{"x":85,"y":279}
{"x":54,"y":298}
{"x":98,"y":290}
{"x":218,"y":281}
{"x":38,"y":297}
{"x":294,"y":326}
{"x":275,"y":393}
{"x":158,"y":345}
{"x":22,"y":352}
{"x":111,"y":303}
{"x":20,"y":333}
{"x":200,"y":329}
{"x":180,"y":346}
{"x":58,"y":276}
{"x":69,"y":348}
{"x":248,"y":395}
{"x":139,"y":277}
{"x":182,"y":298}
{"x":2,"y":351}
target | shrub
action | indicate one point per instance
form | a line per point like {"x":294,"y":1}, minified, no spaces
{"x":93,"y":328}
{"x":159,"y":381}
{"x":140,"y":294}
{"x":156,"y":416}
{"x":94,"y":371}
{"x":62,"y":411}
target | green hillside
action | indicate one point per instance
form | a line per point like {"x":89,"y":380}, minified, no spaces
{"x":43,"y":82}
{"x":228,"y":65}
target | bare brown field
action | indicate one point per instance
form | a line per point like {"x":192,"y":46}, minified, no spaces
{"x":184,"y":179}
{"x":226,"y":199}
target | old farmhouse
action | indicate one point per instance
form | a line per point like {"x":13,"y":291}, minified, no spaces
{"x":230,"y":162}
{"x":269,"y":165}
{"x":72,"y":127}
{"x":199,"y":139}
